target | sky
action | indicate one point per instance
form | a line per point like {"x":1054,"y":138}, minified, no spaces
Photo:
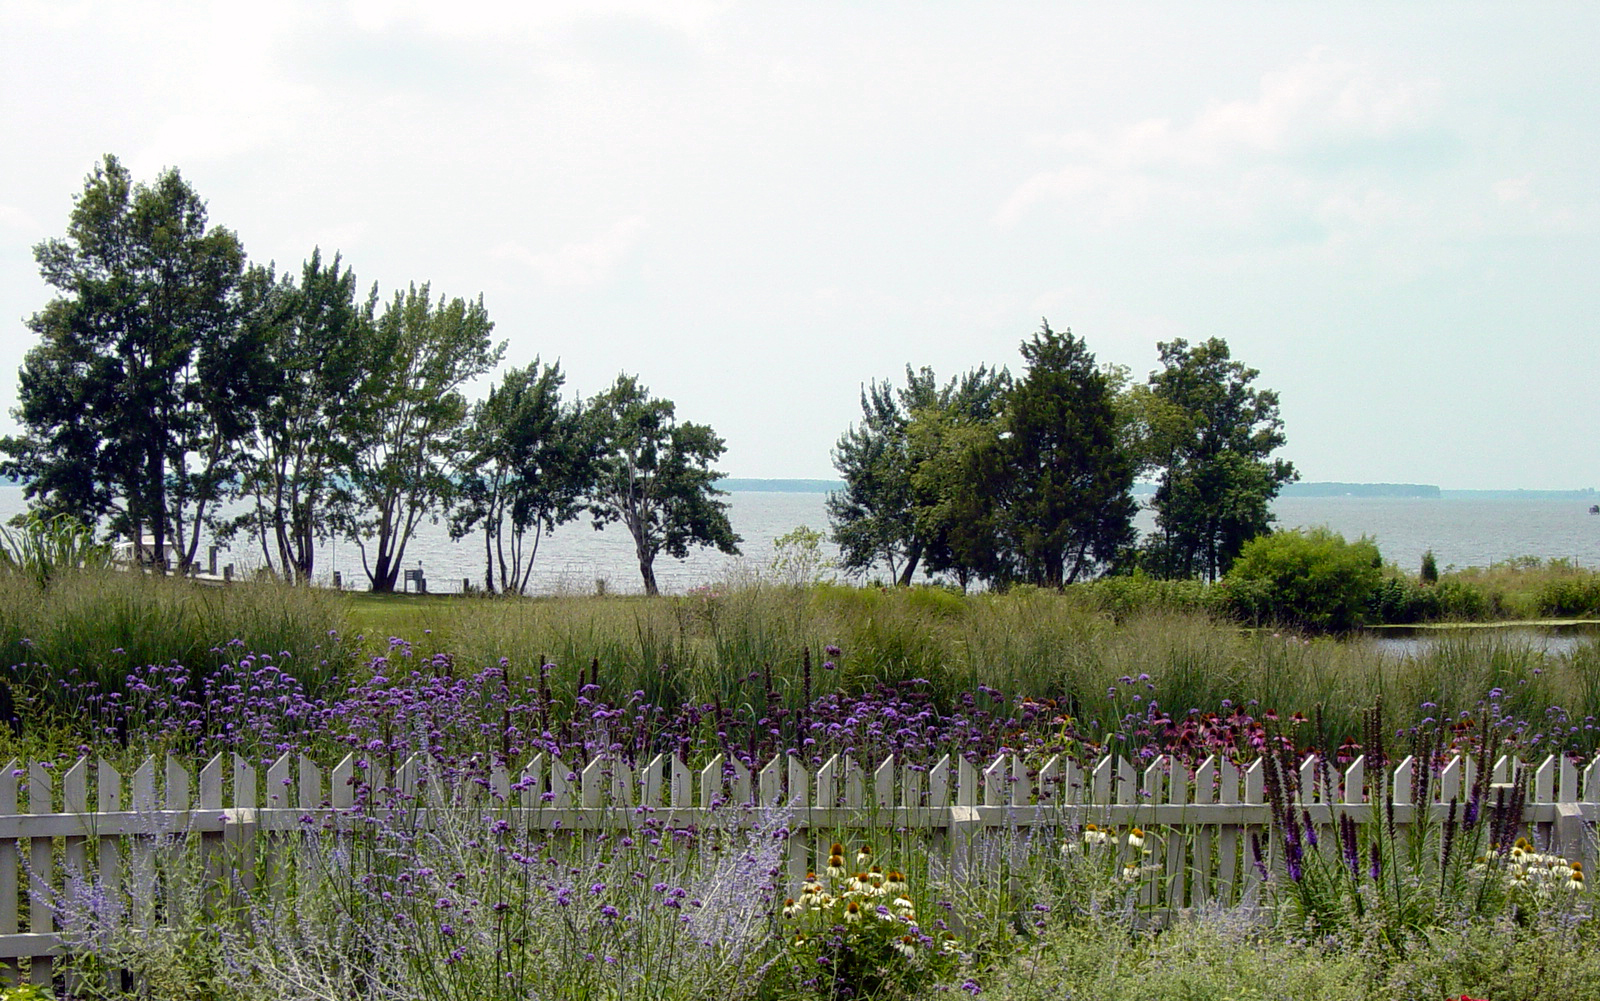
{"x":1391,"y":210}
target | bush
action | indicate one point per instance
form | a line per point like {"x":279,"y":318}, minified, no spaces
{"x":1310,"y":579}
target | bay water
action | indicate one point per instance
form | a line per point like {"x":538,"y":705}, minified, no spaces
{"x":576,"y":558}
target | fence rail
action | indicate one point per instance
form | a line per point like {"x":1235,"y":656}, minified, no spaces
{"x":91,"y":822}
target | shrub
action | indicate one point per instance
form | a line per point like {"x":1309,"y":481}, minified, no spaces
{"x":1310,"y":578}
{"x":1430,"y":569}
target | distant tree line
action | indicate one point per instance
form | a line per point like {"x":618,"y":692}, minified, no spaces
{"x":1005,"y":480}
{"x":173,"y":377}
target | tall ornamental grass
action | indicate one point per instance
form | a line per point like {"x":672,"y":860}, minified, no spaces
{"x":95,"y":626}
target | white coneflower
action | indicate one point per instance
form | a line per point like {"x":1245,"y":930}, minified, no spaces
{"x":852,"y":912}
{"x":1094,"y":835}
{"x":836,"y":868}
{"x":1136,"y":838}
{"x":791,"y":908}
{"x":864,"y":856}
{"x":903,"y":905}
{"x":950,"y":944}
{"x":906,"y":946}
{"x":896,"y":883}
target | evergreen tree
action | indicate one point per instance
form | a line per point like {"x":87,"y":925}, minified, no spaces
{"x":1217,"y":478}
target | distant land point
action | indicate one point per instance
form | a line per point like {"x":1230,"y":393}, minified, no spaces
{"x":1420,"y":491}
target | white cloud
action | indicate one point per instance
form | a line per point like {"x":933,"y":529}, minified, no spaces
{"x":1299,"y":116}
{"x":497,"y":18}
{"x":583,"y":264}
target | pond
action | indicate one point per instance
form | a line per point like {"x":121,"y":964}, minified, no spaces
{"x":1553,"y":638}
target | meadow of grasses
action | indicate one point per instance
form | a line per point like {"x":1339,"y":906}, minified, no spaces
{"x":125,"y":665}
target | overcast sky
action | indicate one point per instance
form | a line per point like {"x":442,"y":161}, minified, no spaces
{"x":1391,"y":210}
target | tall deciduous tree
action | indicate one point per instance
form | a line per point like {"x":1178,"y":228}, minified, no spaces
{"x":135,"y":401}
{"x":531,"y":461}
{"x":655,"y":476}
{"x":1214,"y":448}
{"x":879,"y":516}
{"x":316,"y":335}
{"x":1067,"y":479}
{"x":407,"y":439}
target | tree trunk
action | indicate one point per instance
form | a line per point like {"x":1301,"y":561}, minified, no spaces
{"x":647,"y":570}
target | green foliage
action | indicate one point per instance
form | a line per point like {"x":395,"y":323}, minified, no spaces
{"x":530,"y":462}
{"x":316,"y":335}
{"x":892,"y":509}
{"x":407,"y":443}
{"x":798,"y":560}
{"x":1430,"y":569}
{"x":1064,"y":480}
{"x":40,"y":547}
{"x":1211,"y":435}
{"x":135,"y":402}
{"x":655,"y":476}
{"x":1310,"y":579}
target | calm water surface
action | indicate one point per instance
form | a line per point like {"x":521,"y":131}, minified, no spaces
{"x":573,"y":559}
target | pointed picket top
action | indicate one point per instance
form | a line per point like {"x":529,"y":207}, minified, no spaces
{"x":342,"y":784}
{"x":1355,"y":781}
{"x":1449,"y":784}
{"x":741,"y":781}
{"x":681,"y":786}
{"x":939,"y":783}
{"x":1228,"y":778}
{"x":500,"y":783}
{"x":1591,"y":781}
{"x":1403,"y":773}
{"x":1100,"y":789}
{"x":1543,"y":789}
{"x":912,"y":785}
{"x":1127,"y":783}
{"x":408,"y":777}
{"x":883,"y":784}
{"x":1021,"y":785}
{"x":244,"y":783}
{"x":1309,"y":793}
{"x":769,"y":784}
{"x":40,"y":788}
{"x":592,"y":783}
{"x":651,"y":780}
{"x":561,"y":780}
{"x":1469,"y":775}
{"x":967,"y":782}
{"x":1050,"y":782}
{"x":75,"y":787}
{"x":799,"y":781}
{"x":711,"y":782}
{"x":531,"y":782}
{"x":1255,"y":783}
{"x":855,"y":783}
{"x":622,"y":784}
{"x":1153,"y":783}
{"x":177,"y":784}
{"x":1205,"y":781}
{"x":1177,"y":785}
{"x":8,"y":786}
{"x":1504,"y":770}
{"x":827,"y":784}
{"x":209,"y":787}
{"x":994,"y":781}
{"x":279,"y":783}
{"x":310,"y":785}
{"x":144,"y":787}
{"x":108,"y":787}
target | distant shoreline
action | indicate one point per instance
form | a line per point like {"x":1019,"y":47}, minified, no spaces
{"x":1416,"y":491}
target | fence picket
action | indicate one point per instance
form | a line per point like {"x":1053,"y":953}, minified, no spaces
{"x":1198,"y":825}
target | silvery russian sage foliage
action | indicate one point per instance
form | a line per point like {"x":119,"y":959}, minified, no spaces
{"x":470,"y":908}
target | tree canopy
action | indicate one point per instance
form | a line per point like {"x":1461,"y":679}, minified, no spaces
{"x":136,"y":400}
{"x":655,"y":476}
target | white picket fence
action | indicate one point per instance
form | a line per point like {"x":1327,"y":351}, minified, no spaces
{"x":90,"y":821}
